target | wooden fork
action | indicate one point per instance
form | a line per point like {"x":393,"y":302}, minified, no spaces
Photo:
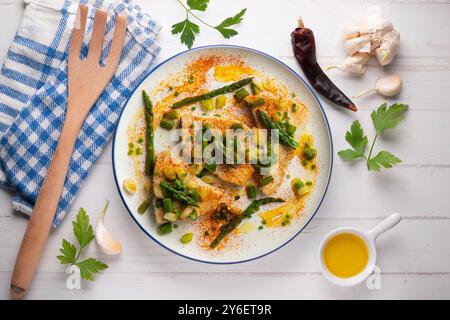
{"x":86,"y":81}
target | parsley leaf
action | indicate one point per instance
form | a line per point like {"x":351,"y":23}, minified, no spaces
{"x":388,"y":117}
{"x":349,"y":154}
{"x":188,"y":29}
{"x":383,"y":158}
{"x":383,"y":118}
{"x":356,"y":138}
{"x":90,"y":266}
{"x":199,"y":5}
{"x":69,"y":253}
{"x":223,"y":26}
{"x":82,"y":229}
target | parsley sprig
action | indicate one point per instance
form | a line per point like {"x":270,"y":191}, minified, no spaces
{"x":70,"y":254}
{"x":383,"y":118}
{"x":189,"y":29}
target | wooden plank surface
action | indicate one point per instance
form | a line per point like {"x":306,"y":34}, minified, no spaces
{"x":414,"y":258}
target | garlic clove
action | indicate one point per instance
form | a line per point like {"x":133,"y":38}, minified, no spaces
{"x":130,"y":186}
{"x":352,"y":46}
{"x":389,"y":86}
{"x":366,"y":48}
{"x":354,"y":64}
{"x":105,"y":241}
{"x":388,"y":48}
{"x":353,"y":30}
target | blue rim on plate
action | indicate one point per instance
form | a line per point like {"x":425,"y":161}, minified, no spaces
{"x":321,"y":111}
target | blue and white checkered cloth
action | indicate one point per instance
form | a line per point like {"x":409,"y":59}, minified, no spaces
{"x":33,"y":95}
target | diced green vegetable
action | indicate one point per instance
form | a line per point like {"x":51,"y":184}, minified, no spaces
{"x":291,"y":129}
{"x":194,"y":215}
{"x":172,"y":115}
{"x":186,"y":238}
{"x":251,"y":191}
{"x":257,"y":102}
{"x":167,"y":124}
{"x":297,"y":184}
{"x":309,"y":152}
{"x":168,"y":205}
{"x":309,"y":183}
{"x":294,"y":107}
{"x":143,"y":207}
{"x":208,"y":105}
{"x":265,"y":181}
{"x":256,"y":89}
{"x":165,"y":228}
{"x":241,"y":94}
{"x":299,"y":187}
{"x":221,"y":101}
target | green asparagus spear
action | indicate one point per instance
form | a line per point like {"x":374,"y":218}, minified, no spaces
{"x":247,"y":213}
{"x":179,"y":195}
{"x":214,"y":93}
{"x":268,"y":122}
{"x":150,"y":155}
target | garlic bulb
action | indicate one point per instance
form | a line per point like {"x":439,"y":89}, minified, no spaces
{"x":371,"y":34}
{"x":387,"y":86}
{"x":105,"y":241}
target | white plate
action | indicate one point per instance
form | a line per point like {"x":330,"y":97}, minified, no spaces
{"x":258,"y":243}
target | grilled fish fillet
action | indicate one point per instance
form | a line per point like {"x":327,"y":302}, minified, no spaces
{"x":212,"y":196}
{"x":237,"y":174}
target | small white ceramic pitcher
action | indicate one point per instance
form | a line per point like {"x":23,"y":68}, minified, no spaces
{"x":369,"y":237}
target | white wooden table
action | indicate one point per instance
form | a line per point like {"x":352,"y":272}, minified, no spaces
{"x":414,"y":258}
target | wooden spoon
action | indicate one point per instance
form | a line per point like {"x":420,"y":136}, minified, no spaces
{"x":86,"y":81}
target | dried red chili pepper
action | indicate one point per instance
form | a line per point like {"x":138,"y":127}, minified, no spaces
{"x":304,"y":47}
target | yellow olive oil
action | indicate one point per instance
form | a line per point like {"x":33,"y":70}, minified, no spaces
{"x":346,"y":255}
